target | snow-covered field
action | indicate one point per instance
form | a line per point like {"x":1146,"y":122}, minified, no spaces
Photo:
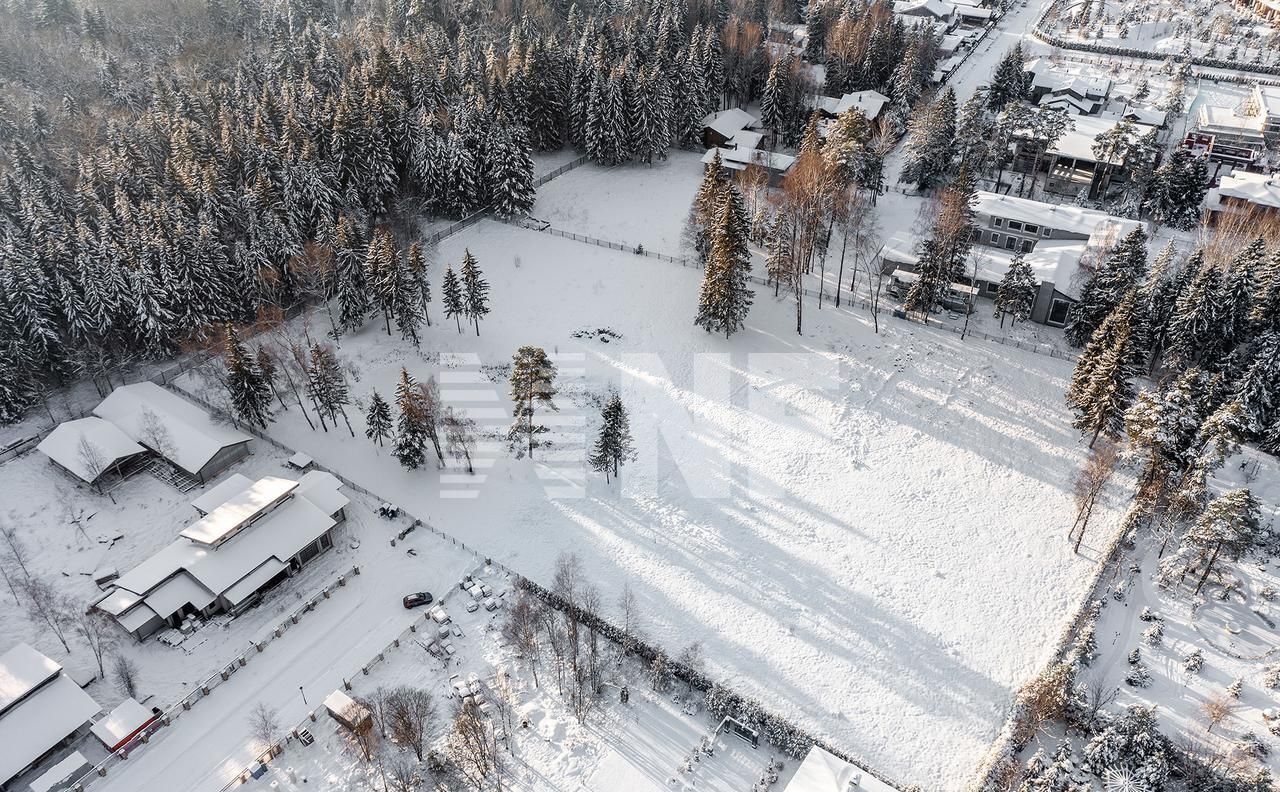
{"x":865,"y":531}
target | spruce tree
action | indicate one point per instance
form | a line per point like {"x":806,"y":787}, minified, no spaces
{"x":416,"y":266}
{"x":249,"y":392}
{"x":327,"y":385}
{"x":1259,"y":389}
{"x":930,"y":142}
{"x":1010,"y":83}
{"x":383,"y":274}
{"x":1198,"y":316}
{"x":1101,"y":387}
{"x":475,"y":290}
{"x":614,"y":444}
{"x":532,"y":388}
{"x":352,"y":290}
{"x":511,"y":173}
{"x":1017,"y":292}
{"x":725,"y":297}
{"x":411,"y":437}
{"x":453,"y":303}
{"x":377,"y":418}
{"x":1125,"y":269}
{"x":1228,"y":528}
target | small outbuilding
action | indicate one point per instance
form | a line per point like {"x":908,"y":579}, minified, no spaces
{"x":347,"y":711}
{"x":718,"y":128}
{"x":63,"y":775}
{"x":123,"y":725}
{"x":823,"y":771}
{"x":41,"y":710}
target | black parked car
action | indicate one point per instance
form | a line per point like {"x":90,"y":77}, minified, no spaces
{"x":420,"y":598}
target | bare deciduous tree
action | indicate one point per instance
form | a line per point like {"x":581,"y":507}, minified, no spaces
{"x":1216,"y":709}
{"x":630,"y":610}
{"x":153,"y":433}
{"x":403,"y":775}
{"x":412,"y":713}
{"x":47,"y":605}
{"x":1090,"y":480}
{"x":13,"y":559}
{"x":125,"y":674}
{"x":521,"y":631}
{"x":472,"y":748}
{"x":99,"y":634}
{"x":91,"y":457}
{"x":264,"y":724}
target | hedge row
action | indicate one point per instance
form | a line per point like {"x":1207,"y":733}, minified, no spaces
{"x":1130,"y":52}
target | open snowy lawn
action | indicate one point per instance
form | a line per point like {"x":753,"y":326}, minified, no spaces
{"x":636,"y":747}
{"x":865,"y":531}
{"x":630,"y":204}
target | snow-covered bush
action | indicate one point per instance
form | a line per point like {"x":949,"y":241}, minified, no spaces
{"x":1135,"y":656}
{"x":1138,"y":676}
{"x":1131,"y":744}
{"x":1154,"y":635}
{"x":1255,"y":746}
{"x":1271,"y":676}
{"x":1148,"y":615}
{"x":1193,"y":662}
{"x":1233,"y":690}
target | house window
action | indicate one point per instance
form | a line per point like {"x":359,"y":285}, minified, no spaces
{"x":1011,"y":243}
{"x":1014,"y":225}
{"x":1027,"y":245}
{"x":998,"y":222}
{"x":992,"y":288}
{"x":1046,"y":232}
{"x":1032,"y":228}
{"x":977,"y":235}
{"x":1058,"y":312}
{"x":995,"y":239}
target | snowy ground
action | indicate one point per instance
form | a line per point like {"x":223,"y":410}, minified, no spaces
{"x":812,"y":508}
{"x":1237,"y":632}
{"x":638,"y":747}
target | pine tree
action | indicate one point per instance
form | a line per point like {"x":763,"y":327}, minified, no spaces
{"x":1017,"y":292}
{"x":1101,"y":387}
{"x":1010,"y":83}
{"x":1228,"y":528}
{"x":706,"y":203}
{"x":725,"y":297}
{"x":411,"y":436}
{"x":249,"y":392}
{"x":532,"y":387}
{"x":453,"y":304}
{"x":1176,"y":190}
{"x":475,"y":290}
{"x":1124,"y":270}
{"x":377,"y":419}
{"x":930,"y":140}
{"x":1198,"y":316}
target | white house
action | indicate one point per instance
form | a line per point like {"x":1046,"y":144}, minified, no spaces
{"x":869,"y":103}
{"x":41,"y":710}
{"x":718,"y":128}
{"x":175,"y":429}
{"x":90,"y":449}
{"x":823,"y":771}
{"x":223,"y":562}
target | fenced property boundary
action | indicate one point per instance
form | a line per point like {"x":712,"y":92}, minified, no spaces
{"x":685,"y":261}
{"x":205,"y":688}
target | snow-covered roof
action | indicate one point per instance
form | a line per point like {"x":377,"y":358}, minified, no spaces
{"x":869,"y":102}
{"x":22,"y":670}
{"x":192,"y":437}
{"x":222,"y":492}
{"x":1068,"y":219}
{"x":745,"y":139}
{"x":137,"y":618}
{"x":1077,"y":143}
{"x":41,"y":721}
{"x":1268,"y":97}
{"x":727,"y":122}
{"x":1069,"y":103}
{"x":239,"y":510}
{"x":739,"y":159}
{"x":973,"y":12}
{"x":324,"y":490}
{"x":1256,"y":188}
{"x":189,"y":571}
{"x":63,"y":774}
{"x":121,"y":723}
{"x":63,"y":445}
{"x":822,"y":771}
{"x":938,"y":9}
{"x":254,"y":581}
{"x":301,"y":461}
{"x":1142,"y":114}
{"x":1226,"y":121}
{"x":177,"y":592}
